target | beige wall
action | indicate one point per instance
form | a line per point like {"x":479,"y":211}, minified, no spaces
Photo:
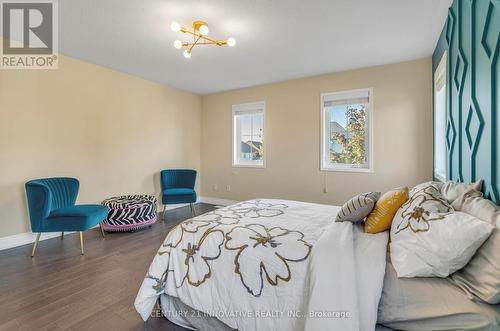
{"x":112,"y":131}
{"x":402,"y":134}
{"x":115,"y":132}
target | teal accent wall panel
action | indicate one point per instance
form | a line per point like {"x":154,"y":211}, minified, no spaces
{"x":471,"y":38}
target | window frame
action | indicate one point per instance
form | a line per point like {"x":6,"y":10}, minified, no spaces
{"x":443,"y":62}
{"x":258,"y":106}
{"x":371,"y":142}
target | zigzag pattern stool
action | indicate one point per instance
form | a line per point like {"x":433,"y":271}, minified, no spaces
{"x":130,"y":212}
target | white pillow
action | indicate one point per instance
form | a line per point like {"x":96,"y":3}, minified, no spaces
{"x":429,"y":239}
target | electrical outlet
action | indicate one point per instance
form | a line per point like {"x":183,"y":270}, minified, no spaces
{"x":215,"y":187}
{"x":228,"y":188}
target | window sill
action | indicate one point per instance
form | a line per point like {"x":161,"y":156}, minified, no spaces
{"x":359,"y":170}
{"x":261,"y":166}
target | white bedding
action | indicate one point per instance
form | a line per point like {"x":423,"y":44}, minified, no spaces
{"x":271,"y":265}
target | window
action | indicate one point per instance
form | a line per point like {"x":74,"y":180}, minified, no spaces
{"x":346,"y":131}
{"x":248,"y":135}
{"x":440,"y":120}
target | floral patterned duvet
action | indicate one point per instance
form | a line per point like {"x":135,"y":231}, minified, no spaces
{"x":269,"y":265}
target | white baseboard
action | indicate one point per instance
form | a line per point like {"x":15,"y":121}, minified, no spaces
{"x":170,"y":207}
{"x":212,"y":201}
{"x":217,"y":201}
{"x":29,"y":237}
{"x":26,"y":238}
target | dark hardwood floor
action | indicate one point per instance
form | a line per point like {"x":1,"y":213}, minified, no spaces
{"x":59,"y":289}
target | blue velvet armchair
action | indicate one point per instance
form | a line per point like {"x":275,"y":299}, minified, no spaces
{"x":51,"y":204}
{"x":177,"y":186}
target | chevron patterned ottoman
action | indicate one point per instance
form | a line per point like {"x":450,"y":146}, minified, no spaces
{"x":130,"y":212}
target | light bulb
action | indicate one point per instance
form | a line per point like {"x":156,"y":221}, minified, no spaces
{"x":187,"y":54}
{"x":178,"y":44}
{"x":231,"y":42}
{"x":176,"y":27}
{"x":203,"y":30}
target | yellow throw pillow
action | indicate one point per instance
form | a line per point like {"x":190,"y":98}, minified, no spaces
{"x":380,"y":219}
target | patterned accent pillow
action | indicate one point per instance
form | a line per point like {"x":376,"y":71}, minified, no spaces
{"x":429,"y":239}
{"x":380,"y":218}
{"x":416,"y":212}
{"x":358,"y":207}
{"x":437,"y":185}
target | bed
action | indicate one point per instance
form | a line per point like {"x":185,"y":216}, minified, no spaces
{"x":286,"y":265}
{"x":190,"y":318}
{"x":269,"y":265}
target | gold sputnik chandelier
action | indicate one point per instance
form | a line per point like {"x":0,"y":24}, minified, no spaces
{"x":199,"y":34}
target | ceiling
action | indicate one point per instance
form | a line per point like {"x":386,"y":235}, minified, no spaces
{"x":276,"y":39}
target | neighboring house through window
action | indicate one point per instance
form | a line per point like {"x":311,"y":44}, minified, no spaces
{"x":248,"y":135}
{"x":346,"y":131}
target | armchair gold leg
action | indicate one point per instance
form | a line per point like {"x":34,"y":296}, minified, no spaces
{"x":164,"y":212}
{"x":35,"y":244}
{"x":62,"y":235}
{"x":102,"y":231}
{"x":81,"y":241}
{"x":192,"y":209}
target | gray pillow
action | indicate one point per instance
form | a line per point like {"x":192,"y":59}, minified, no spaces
{"x":453,"y":190}
{"x":481,"y":277}
{"x":358,"y":207}
{"x":431,"y":304}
